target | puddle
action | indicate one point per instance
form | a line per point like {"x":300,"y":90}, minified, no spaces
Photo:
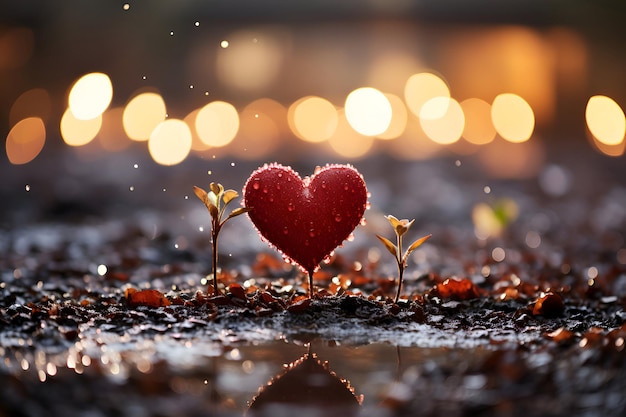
{"x":165,"y":376}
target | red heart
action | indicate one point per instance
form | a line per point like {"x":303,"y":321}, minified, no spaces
{"x":305,"y":219}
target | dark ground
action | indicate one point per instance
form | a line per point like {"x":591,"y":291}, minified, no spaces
{"x":540,"y":332}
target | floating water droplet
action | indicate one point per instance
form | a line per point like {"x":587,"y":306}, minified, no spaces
{"x":256,"y":185}
{"x":338,"y":218}
{"x":131,"y":188}
{"x":27,"y":188}
{"x":136,"y":166}
{"x":457,"y":163}
{"x":172,"y":33}
{"x":165,"y":189}
{"x":201,"y":229}
{"x":224,"y":44}
{"x":209,"y":172}
{"x":126,"y":6}
{"x":197,"y":24}
{"x":191,"y":86}
{"x":232,"y":164}
{"x":487,"y":189}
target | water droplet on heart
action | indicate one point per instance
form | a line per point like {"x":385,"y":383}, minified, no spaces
{"x":280,"y":175}
{"x":363,"y":222}
{"x":278,"y":187}
{"x":256,"y":185}
{"x":285,"y":231}
{"x":345,"y":187}
{"x":317,"y":169}
{"x":306,"y":242}
{"x":324,"y":184}
{"x":368,"y":206}
{"x":271,"y":199}
{"x":312,"y":233}
{"x":291,"y":207}
{"x":350,"y":238}
{"x":338,"y":218}
{"x":265,"y":190}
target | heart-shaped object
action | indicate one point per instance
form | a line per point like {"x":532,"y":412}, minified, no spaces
{"x":305,"y":219}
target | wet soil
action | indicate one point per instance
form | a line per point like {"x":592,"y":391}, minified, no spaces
{"x":115,"y":315}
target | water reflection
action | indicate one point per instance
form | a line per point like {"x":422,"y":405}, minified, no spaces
{"x":309,"y":384}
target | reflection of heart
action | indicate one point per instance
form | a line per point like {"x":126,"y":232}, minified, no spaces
{"x":305,"y":219}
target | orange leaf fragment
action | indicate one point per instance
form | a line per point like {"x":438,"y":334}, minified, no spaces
{"x":459,"y":290}
{"x":148,"y":298}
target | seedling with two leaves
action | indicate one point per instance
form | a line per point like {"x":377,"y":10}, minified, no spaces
{"x":216,"y":201}
{"x":400,"y":227}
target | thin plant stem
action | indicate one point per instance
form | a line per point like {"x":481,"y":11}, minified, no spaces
{"x":400,"y":266}
{"x":215,"y":232}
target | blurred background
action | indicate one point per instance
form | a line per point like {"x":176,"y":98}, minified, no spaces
{"x":103,"y":99}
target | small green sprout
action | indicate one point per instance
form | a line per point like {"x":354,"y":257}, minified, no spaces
{"x":216,"y":201}
{"x":401,"y":227}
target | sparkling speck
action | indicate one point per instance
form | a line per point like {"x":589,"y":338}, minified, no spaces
{"x":197,"y":24}
{"x":206,"y":93}
{"x":136,"y":166}
{"x":232,"y":164}
{"x":457,"y":163}
{"x":186,"y":197}
{"x":224,"y":44}
{"x":126,"y":6}
{"x":131,"y":188}
{"x":256,"y":116}
{"x":209,"y":172}
{"x":191,"y":86}
{"x":165,"y":189}
{"x":27,"y":188}
{"x":487,"y":189}
{"x":102,"y":270}
{"x":144,"y":78}
{"x":201,"y":229}
{"x":172,"y":33}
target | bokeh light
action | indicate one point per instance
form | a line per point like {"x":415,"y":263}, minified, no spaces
{"x":35,"y":102}
{"x":479,"y":128}
{"x":258,"y":134}
{"x":447,"y":128}
{"x":77,"y":132}
{"x":25,"y":140}
{"x":423,"y":87}
{"x":217,"y":123}
{"x":251,"y":60}
{"x":111,"y":135}
{"x":368,"y":111}
{"x":142,"y":114}
{"x":170,"y":142}
{"x":313,"y":119}
{"x":413,"y":145}
{"x":512,"y":117}
{"x":399,"y":116}
{"x":347,"y":142}
{"x":90,"y":96}
{"x":605,"y":120}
